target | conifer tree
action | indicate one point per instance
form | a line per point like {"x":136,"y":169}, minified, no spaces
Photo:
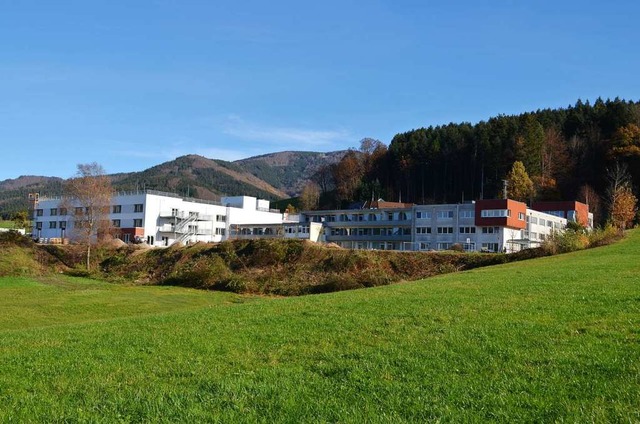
{"x":520,"y":186}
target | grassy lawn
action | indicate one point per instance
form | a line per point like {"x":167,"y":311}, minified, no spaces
{"x":6,"y":224}
{"x":552,"y":339}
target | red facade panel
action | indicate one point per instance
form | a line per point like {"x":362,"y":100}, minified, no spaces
{"x":513,"y":221}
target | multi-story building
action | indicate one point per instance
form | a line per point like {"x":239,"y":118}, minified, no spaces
{"x":158,"y":218}
{"x":484,"y":225}
{"x":161,"y":219}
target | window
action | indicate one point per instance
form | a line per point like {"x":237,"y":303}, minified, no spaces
{"x":445,"y":230}
{"x":549,"y":223}
{"x":542,"y":222}
{"x":220,"y":231}
{"x":63,"y":225}
{"x":444,"y":214}
{"x":221,"y":218}
{"x":443,"y":246}
{"x":469,"y":246}
{"x":63,"y":211}
{"x":115,"y":223}
{"x":423,"y":215}
{"x":54,"y":211}
{"x":521,"y":216}
{"x":39,"y":212}
{"x":495,"y":213}
{"x":137,"y":223}
{"x":52,"y":224}
{"x":467,"y":214}
{"x":467,"y":230}
{"x":490,"y":230}
{"x":559,"y":214}
{"x":138,"y":207}
{"x":423,"y":230}
{"x":38,"y":225}
{"x":78,"y":211}
{"x":490,"y":247}
{"x":116,"y":209}
{"x":534,"y":220}
{"x":424,"y":246}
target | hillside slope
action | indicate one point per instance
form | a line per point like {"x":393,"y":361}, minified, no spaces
{"x":14,"y":192}
{"x":289,"y":171}
{"x":549,"y":340}
{"x":199,"y":177}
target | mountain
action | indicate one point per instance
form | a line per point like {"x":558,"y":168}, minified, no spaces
{"x":197,"y":176}
{"x":273,"y":176}
{"x":289,"y":171}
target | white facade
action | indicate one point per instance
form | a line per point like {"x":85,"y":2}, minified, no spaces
{"x":157,"y":218}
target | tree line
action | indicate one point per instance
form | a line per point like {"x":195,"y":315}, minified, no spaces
{"x":568,"y":153}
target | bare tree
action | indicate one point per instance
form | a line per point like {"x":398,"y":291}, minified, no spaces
{"x":89,"y":194}
{"x":589,"y":196}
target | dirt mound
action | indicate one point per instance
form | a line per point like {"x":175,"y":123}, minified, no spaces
{"x":283,"y":267}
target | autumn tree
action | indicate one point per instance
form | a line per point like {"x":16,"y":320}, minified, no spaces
{"x":622,"y":201}
{"x":626,"y":141}
{"x":347,"y":175}
{"x":89,"y":195}
{"x":310,"y":196}
{"x":21,"y":219}
{"x":520,"y":186}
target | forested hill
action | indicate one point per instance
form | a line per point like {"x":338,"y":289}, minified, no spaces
{"x":566,"y":151}
{"x":273,"y":176}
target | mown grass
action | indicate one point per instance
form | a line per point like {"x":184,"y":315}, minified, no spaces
{"x":7,"y":224}
{"x":551,"y":339}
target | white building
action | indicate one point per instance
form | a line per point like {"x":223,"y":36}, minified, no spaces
{"x":158,"y":218}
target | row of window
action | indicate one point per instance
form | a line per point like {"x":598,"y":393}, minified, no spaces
{"x":137,"y":208}
{"x":78,"y":224}
{"x":392,"y":216}
{"x":462,"y":230}
{"x":371,"y":231}
{"x":446,"y":214}
{"x":495,"y":213}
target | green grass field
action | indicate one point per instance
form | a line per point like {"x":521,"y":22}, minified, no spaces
{"x":7,"y":224}
{"x":551,"y":339}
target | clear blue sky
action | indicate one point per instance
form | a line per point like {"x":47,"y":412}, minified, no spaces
{"x":132,"y":84}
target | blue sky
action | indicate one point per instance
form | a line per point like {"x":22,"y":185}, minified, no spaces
{"x":132,"y":84}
